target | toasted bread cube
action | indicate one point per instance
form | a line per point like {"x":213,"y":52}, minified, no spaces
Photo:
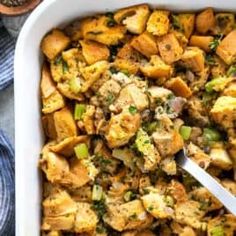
{"x":187,"y":22}
{"x":48,"y":126}
{"x":230,"y":90}
{"x":224,"y":23}
{"x":66,"y":146}
{"x":226,"y":49}
{"x":157,"y":206}
{"x":59,"y":204}
{"x":86,"y":219}
{"x":170,"y":49}
{"x":121,"y":128}
{"x":127,"y":59}
{"x":51,"y":98}
{"x":183,"y":41}
{"x":158,"y":23}
{"x":54,"y":43}
{"x":205,"y":21}
{"x":193,"y":58}
{"x":146,"y":44}
{"x":202,"y":42}
{"x":96,"y":29}
{"x":93,"y":51}
{"x":134,"y":18}
{"x":220,"y":157}
{"x":219,"y":67}
{"x":64,"y":124}
{"x":156,"y":68}
{"x":179,"y":87}
{"x":224,"y":112}
{"x":93,"y":73}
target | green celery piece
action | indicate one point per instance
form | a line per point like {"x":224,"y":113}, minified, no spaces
{"x":79,"y":111}
{"x":211,"y":134}
{"x":185,"y":132}
{"x":97,"y":193}
{"x":81,"y":151}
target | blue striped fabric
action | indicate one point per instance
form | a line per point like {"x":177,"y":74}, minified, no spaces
{"x":7,"y":191}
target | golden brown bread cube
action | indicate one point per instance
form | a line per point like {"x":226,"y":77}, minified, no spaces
{"x":224,"y":23}
{"x":65,"y":124}
{"x":202,"y":42}
{"x":224,"y":111}
{"x":121,"y":128}
{"x":187,"y":22}
{"x":66,"y":146}
{"x":134,"y":18}
{"x":93,"y":73}
{"x":127,"y":59}
{"x":54,"y":43}
{"x":179,"y":87}
{"x":169,"y":48}
{"x":146,"y":44}
{"x":193,"y":58}
{"x":230,"y":90}
{"x":96,"y":29}
{"x":156,"y":68}
{"x":205,"y":21}
{"x":93,"y":51}
{"x":226,"y":49}
{"x":51,"y":98}
{"x":158,"y":23}
{"x":86,"y":219}
{"x":49,"y":127}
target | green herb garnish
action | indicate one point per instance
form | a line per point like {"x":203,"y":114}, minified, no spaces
{"x":133,"y":109}
{"x":215,"y":43}
{"x":100,"y":208}
{"x":232,"y":71}
{"x":210,"y":60}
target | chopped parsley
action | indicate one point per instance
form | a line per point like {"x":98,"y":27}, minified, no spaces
{"x":231,"y":71}
{"x":110,"y":98}
{"x":176,"y":23}
{"x":133,"y":109}
{"x":100,"y":208}
{"x":215,"y":43}
{"x":210,"y":60}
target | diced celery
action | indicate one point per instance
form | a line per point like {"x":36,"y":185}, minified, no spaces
{"x":97,"y":193}
{"x":232,"y":71}
{"x":79,"y":111}
{"x":217,"y":231}
{"x":185,"y":132}
{"x":81,"y":151}
{"x":216,"y":84}
{"x":211,"y":134}
{"x":75,"y":85}
{"x":128,"y":196}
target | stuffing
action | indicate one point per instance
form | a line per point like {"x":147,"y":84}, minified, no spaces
{"x":134,"y":18}
{"x":201,"y":41}
{"x":226,"y":50}
{"x":65,"y":125}
{"x":159,"y":206}
{"x":169,"y":48}
{"x":98,"y":29}
{"x":193,"y":58}
{"x":187,"y":21}
{"x":121,"y":128}
{"x":230,"y":90}
{"x":220,"y":157}
{"x":146,"y":44}
{"x":179,"y":87}
{"x":51,"y":98}
{"x":130,"y":215}
{"x":131,"y":95}
{"x":54,"y":43}
{"x":158,"y":23}
{"x":86,"y":219}
{"x":224,"y":23}
{"x":156,"y":68}
{"x":223,"y":111}
{"x":189,"y":213}
{"x":205,"y":21}
{"x":93,"y":73}
{"x":94,"y":52}
{"x":149,"y":153}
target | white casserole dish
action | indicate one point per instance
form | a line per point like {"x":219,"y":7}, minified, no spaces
{"x":28,"y":58}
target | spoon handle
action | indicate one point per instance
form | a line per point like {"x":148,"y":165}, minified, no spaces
{"x":224,"y":196}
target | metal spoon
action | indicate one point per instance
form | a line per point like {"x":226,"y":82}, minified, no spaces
{"x":224,"y":196}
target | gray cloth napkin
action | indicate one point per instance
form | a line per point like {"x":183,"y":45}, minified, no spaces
{"x":7,"y":186}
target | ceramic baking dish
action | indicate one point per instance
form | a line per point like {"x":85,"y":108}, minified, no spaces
{"x":28,"y":58}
